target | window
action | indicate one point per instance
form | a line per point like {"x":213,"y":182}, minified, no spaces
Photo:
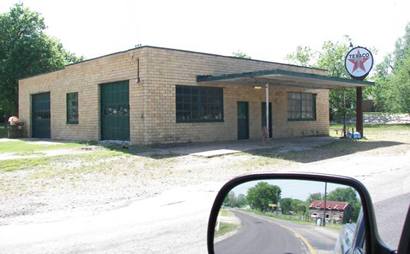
{"x":199,"y":104}
{"x":301,"y":106}
{"x":72,"y":108}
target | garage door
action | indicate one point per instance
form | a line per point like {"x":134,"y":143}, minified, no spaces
{"x":115,"y":117}
{"x":40,"y":115}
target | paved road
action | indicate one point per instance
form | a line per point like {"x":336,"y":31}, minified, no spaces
{"x":390,"y":215}
{"x":260,"y":236}
{"x":321,"y":239}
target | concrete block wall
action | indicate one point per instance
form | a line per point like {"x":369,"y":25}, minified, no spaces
{"x":152,"y":99}
{"x":85,"y":78}
{"x":168,"y":68}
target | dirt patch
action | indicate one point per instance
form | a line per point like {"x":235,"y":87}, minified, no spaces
{"x":102,"y":179}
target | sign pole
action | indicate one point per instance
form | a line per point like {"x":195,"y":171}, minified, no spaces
{"x":359,"y":111}
{"x":358,"y":63}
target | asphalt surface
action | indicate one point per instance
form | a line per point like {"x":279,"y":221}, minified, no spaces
{"x":390,"y":216}
{"x":258,"y":235}
{"x":321,"y":239}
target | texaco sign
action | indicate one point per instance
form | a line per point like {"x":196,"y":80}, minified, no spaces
{"x":359,"y":62}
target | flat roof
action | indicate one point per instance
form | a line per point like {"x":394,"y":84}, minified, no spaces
{"x":179,"y":50}
{"x":283,"y":77}
{"x":201,"y":53}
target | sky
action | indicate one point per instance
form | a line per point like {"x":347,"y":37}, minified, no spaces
{"x":266,"y":30}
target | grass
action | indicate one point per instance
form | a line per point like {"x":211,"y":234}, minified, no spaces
{"x":292,"y":218}
{"x":226,"y":213}
{"x":259,"y":158}
{"x":373,"y":127}
{"x":12,"y":165}
{"x":373,"y":131}
{"x":102,"y":159}
{"x":46,"y":166}
{"x":22,"y":146}
{"x":225,"y":228}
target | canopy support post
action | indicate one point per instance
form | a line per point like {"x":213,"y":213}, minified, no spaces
{"x":267,"y":110}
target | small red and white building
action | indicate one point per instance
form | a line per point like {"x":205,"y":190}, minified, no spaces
{"x":336,"y":211}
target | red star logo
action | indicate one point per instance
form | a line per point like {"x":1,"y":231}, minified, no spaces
{"x":358,"y":62}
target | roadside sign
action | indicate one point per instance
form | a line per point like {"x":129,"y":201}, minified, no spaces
{"x":359,"y":62}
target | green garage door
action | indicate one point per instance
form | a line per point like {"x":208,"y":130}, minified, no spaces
{"x":40,"y":115}
{"x":115,"y":117}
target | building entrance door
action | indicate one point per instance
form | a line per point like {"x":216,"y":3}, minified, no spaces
{"x":40,"y":115}
{"x":243,"y":120}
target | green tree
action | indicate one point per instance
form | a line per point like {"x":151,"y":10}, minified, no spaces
{"x":391,"y":92}
{"x":241,"y":201}
{"x":342,"y":101}
{"x":314,"y":196}
{"x":303,"y":56}
{"x":380,"y":92}
{"x":241,"y":54}
{"x":262,"y":195}
{"x":291,"y":205}
{"x":343,"y":194}
{"x":402,"y":48}
{"x":399,"y":92}
{"x":330,"y":57}
{"x":25,"y":50}
{"x":299,"y":207}
{"x":230,"y":199}
{"x":286,"y":205}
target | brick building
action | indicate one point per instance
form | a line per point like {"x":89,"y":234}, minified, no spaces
{"x":153,"y":95}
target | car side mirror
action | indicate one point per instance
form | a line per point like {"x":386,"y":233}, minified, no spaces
{"x":404,"y":245}
{"x":293,"y":213}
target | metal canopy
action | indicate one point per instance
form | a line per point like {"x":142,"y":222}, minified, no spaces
{"x":283,"y":78}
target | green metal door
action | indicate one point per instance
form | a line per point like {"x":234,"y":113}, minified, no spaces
{"x":263,"y":112}
{"x":40,"y":115}
{"x":115,"y":117}
{"x":243,"y":120}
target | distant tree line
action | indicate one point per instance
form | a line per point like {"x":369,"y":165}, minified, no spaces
{"x":265,"y":197}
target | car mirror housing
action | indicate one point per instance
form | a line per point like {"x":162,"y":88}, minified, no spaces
{"x":257,"y":213}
